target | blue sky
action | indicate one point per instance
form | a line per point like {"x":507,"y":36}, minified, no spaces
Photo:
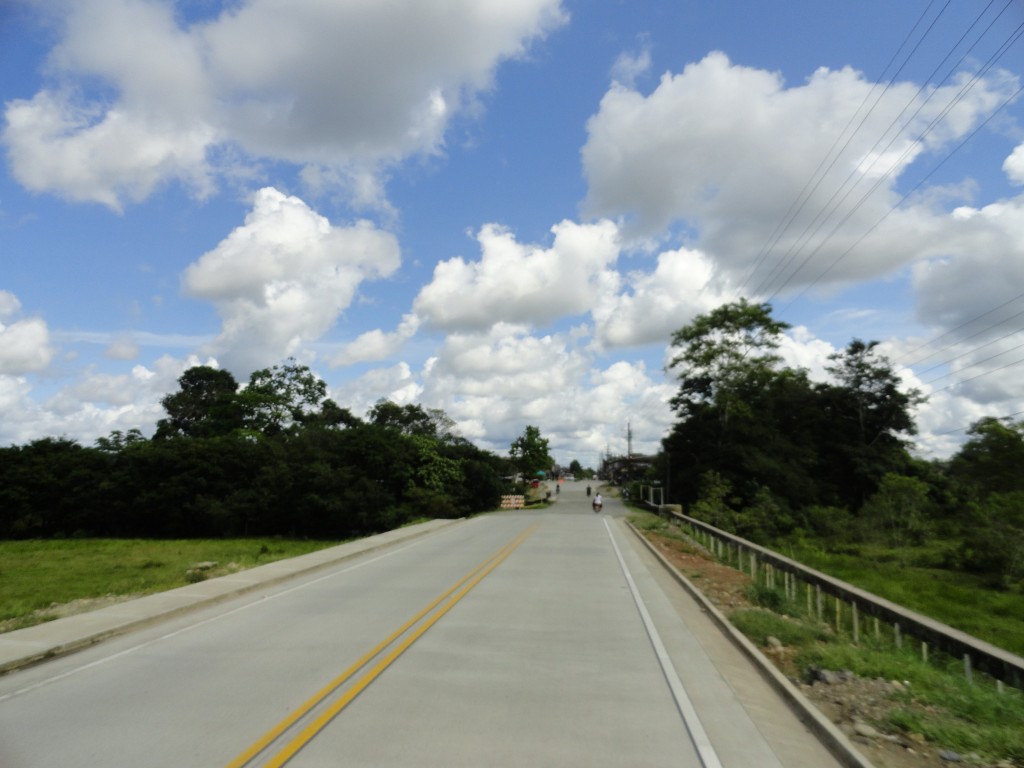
{"x":502,"y":209}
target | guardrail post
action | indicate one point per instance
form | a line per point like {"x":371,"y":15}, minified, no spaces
{"x":947,"y":640}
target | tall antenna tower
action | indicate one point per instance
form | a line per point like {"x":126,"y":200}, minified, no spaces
{"x":629,"y":440}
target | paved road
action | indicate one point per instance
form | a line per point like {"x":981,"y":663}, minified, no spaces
{"x":545,"y":638}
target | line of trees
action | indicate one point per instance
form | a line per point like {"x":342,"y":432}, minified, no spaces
{"x":761,"y":450}
{"x":275,"y":457}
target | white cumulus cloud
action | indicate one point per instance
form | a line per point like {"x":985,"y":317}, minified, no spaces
{"x":1014,"y":165}
{"x":137,"y":97}
{"x":724,"y":150}
{"x":25,"y":345}
{"x":283,"y":278}
{"x":655,"y":304}
{"x":517,"y":283}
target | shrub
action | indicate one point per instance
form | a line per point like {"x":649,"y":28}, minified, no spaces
{"x":767,"y":597}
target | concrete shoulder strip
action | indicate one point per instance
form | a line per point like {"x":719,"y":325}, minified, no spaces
{"x":826,"y":731}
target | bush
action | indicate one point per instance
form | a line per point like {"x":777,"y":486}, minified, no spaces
{"x":827,"y":522}
{"x":767,"y":597}
{"x":993,"y":543}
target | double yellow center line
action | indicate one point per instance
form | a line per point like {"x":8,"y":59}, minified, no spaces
{"x":449,"y":598}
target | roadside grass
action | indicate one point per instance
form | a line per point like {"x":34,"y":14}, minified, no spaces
{"x":961,"y":600}
{"x":965,"y":716}
{"x":938,"y":702}
{"x":38,"y":574}
{"x":648,"y":522}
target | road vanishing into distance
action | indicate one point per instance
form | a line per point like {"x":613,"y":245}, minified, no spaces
{"x":520,"y":638}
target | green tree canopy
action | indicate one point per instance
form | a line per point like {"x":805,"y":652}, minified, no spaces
{"x":870,"y":417}
{"x":413,"y":419}
{"x":992,"y":460}
{"x":278,"y":398}
{"x":206,"y":405}
{"x":529,"y":452}
{"x":723,"y":352}
{"x":779,"y":441}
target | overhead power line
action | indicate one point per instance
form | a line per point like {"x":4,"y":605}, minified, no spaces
{"x":828,"y":208}
{"x":968,"y":426}
{"x":963,"y":325}
{"x":949,"y":360}
{"x":980,"y":375}
{"x":881,"y":180}
{"x":973,"y":365}
{"x":832,"y":156}
{"x":903,"y":199}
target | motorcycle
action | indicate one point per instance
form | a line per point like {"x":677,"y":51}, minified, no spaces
{"x":597,"y":505}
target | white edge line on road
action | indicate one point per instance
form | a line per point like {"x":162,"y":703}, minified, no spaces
{"x":204,"y":622}
{"x":706,"y":752}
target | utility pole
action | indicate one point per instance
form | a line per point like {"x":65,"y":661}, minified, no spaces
{"x":629,"y":440}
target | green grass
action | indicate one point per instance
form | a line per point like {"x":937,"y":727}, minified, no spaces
{"x":648,"y":522}
{"x":758,"y":624}
{"x":36,"y":574}
{"x":938,"y":703}
{"x":947,"y":709}
{"x":958,"y":599}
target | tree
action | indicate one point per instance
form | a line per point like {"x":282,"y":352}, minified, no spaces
{"x":723,"y":352}
{"x":411,"y":419}
{"x":993,"y":538}
{"x":868,"y":415}
{"x":333,"y":416}
{"x":897,"y":511}
{"x":878,"y":407}
{"x":742,"y":416}
{"x":206,"y":405}
{"x":529,"y":452}
{"x":119,"y":441}
{"x":991,"y":461}
{"x":282,"y":397}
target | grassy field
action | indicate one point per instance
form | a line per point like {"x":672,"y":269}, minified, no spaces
{"x":958,"y":599}
{"x":35,"y":575}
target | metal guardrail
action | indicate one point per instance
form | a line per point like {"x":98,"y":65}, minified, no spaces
{"x":765,"y":566}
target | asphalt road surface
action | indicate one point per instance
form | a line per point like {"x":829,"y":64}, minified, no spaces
{"x":547,"y":638}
